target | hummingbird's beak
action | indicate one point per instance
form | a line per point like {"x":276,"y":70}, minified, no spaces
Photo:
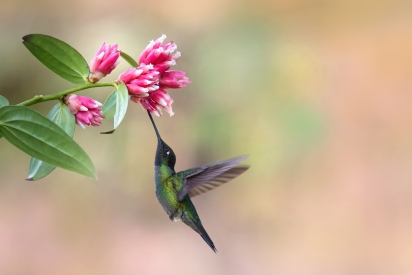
{"x":154,"y":126}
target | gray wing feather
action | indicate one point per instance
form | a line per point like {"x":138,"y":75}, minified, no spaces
{"x":218,"y":181}
{"x":203,"y":177}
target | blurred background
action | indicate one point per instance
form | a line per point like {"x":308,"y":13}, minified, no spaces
{"x":317,"y":92}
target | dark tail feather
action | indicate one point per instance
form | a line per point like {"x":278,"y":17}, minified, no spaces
{"x":206,"y":237}
{"x":198,"y":227}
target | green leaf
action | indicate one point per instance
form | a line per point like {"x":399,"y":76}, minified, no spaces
{"x":3,"y":101}
{"x":109,"y":106}
{"x":122,"y":100}
{"x":129,"y":59}
{"x":108,"y":132}
{"x":120,"y":106}
{"x":58,"y":56}
{"x":39,"y":137}
{"x":59,"y":114}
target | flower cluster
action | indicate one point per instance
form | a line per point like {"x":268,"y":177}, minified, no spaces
{"x":146,"y":83}
{"x":86,"y":110}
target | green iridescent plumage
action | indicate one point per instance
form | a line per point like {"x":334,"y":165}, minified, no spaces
{"x":174,"y":190}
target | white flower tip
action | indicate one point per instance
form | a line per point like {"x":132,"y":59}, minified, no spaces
{"x":153,"y":88}
{"x":159,"y":110}
{"x":156,"y":113}
{"x":162,"y":38}
{"x":138,"y":72}
{"x":162,"y":102}
{"x":100,"y":56}
{"x":83,"y":108}
{"x":98,"y":104}
{"x":168,"y":52}
{"x":150,"y":45}
{"x":81,"y":124}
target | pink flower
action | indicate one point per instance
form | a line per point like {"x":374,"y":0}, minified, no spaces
{"x":141,"y":80}
{"x":147,"y":82}
{"x":104,"y":62}
{"x":155,"y":100}
{"x":85,"y":109}
{"x":174,"y":80}
{"x":161,"y":56}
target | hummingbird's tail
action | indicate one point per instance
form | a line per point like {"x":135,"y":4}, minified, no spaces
{"x":198,"y":227}
{"x":206,"y":238}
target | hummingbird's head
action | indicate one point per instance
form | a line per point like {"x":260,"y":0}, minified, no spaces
{"x":164,"y":154}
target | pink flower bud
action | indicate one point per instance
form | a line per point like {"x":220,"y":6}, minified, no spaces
{"x":104,"y":62}
{"x":147,"y":104}
{"x":174,"y":80}
{"x":155,"y":100}
{"x":161,"y":56}
{"x":141,"y":80}
{"x":86,"y":110}
{"x":162,"y":98}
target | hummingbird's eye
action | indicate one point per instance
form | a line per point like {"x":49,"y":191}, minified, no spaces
{"x":167,"y":152}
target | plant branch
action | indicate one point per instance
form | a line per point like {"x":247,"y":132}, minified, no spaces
{"x":43,"y":98}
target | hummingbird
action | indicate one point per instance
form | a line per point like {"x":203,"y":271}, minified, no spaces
{"x":175,"y":190}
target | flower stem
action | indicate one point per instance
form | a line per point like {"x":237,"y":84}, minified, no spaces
{"x":40,"y":98}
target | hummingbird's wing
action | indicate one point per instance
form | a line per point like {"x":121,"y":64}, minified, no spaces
{"x":207,"y":177}
{"x":218,"y":181}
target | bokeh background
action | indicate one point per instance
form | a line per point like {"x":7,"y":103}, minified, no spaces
{"x":319,"y":93}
